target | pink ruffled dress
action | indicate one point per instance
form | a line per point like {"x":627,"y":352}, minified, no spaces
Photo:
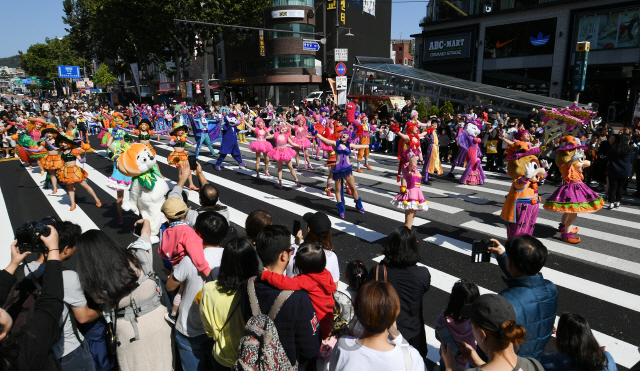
{"x":282,"y":152}
{"x":412,"y":198}
{"x":301,"y":137}
{"x":260,"y":145}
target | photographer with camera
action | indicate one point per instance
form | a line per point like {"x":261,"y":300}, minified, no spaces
{"x":534,"y":299}
{"x":71,"y":350}
{"x":30,"y":348}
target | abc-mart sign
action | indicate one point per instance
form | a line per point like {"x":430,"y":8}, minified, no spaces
{"x":447,"y":47}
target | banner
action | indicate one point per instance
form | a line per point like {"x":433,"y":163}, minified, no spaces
{"x":189,"y":90}
{"x":134,"y":70}
{"x":342,"y":97}
{"x":369,"y":7}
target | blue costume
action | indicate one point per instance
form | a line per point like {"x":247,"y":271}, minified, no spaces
{"x":201,"y":134}
{"x":229,"y":140}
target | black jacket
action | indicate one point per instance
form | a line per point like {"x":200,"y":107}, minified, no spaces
{"x":619,"y":165}
{"x":36,"y":338}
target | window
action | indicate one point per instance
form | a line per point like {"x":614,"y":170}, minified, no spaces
{"x":291,"y":61}
{"x":291,"y":27}
{"x":293,"y":2}
{"x":405,"y":61}
{"x":400,"y":49}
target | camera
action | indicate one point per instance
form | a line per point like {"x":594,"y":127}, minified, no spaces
{"x":480,"y":251}
{"x":28,"y":235}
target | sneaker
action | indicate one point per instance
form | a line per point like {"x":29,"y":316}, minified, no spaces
{"x":616,"y":205}
{"x":171,"y":318}
{"x":611,"y":206}
{"x":16,"y":155}
{"x":7,"y":156}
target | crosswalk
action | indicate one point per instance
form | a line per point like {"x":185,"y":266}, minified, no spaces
{"x":598,"y":278}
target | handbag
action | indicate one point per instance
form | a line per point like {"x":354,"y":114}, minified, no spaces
{"x":492,"y":146}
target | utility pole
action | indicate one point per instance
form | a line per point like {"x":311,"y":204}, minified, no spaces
{"x":324,"y":46}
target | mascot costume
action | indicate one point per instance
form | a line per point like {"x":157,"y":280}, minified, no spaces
{"x":520,"y":209}
{"x":468,"y":141}
{"x":573,"y":197}
{"x":148,"y":188}
{"x":230,"y":140}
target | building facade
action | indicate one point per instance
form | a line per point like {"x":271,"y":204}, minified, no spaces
{"x":403,"y":52}
{"x":530,"y":45}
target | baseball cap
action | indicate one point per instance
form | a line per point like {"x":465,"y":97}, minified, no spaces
{"x":489,"y":312}
{"x":174,"y":208}
{"x":318,"y":223}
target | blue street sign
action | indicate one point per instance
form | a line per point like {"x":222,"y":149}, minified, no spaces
{"x":310,"y":45}
{"x":26,"y":81}
{"x":69,"y":72}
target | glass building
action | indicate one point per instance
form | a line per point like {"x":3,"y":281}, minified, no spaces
{"x":374,"y":78}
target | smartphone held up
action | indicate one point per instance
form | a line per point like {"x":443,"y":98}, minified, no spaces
{"x":480,"y":251}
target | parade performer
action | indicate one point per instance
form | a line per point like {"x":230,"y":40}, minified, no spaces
{"x":364,"y":133}
{"x":301,"y":138}
{"x":144,"y":131}
{"x":202,"y":133}
{"x":70,"y":173}
{"x":469,"y":150}
{"x":351,"y":112}
{"x":283,"y":154}
{"x":331,"y":158}
{"x":410,"y":140}
{"x":229,"y":141}
{"x":573,"y":197}
{"x":51,"y":162}
{"x":31,"y":140}
{"x":427,"y":147}
{"x":520,"y":209}
{"x":242,"y":119}
{"x":343,"y":170}
{"x":118,"y":181}
{"x":148,"y":189}
{"x":260,"y":146}
{"x":327,"y":133}
{"x":179,"y":157}
{"x":410,"y":198}
{"x":435,"y":163}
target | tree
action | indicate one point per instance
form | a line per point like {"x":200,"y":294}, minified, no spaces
{"x":103,"y":77}
{"x":447,"y":111}
{"x":433,"y":111}
{"x":421,"y":108}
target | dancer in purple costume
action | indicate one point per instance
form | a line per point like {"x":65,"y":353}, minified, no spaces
{"x":469,"y":144}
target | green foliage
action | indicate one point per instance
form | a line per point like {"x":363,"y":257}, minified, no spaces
{"x":422,"y":110}
{"x":11,"y":62}
{"x":43,"y":59}
{"x":433,"y":111}
{"x":103,"y":77}
{"x":447,"y":111}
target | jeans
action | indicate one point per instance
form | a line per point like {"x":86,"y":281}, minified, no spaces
{"x":78,"y":360}
{"x":194,"y":351}
{"x":615,"y":188}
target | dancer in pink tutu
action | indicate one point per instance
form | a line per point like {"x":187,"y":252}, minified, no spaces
{"x":301,"y":138}
{"x":283,"y":154}
{"x":260,"y":145}
{"x":410,"y":198}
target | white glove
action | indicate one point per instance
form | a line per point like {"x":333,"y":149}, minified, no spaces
{"x":530,"y":170}
{"x":545,"y":164}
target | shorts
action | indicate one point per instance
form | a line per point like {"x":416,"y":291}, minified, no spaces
{"x":7,"y":142}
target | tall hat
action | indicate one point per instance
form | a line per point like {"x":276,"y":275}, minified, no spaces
{"x":50,"y":129}
{"x":569,"y":143}
{"x":69,"y":140}
{"x":520,"y":149}
{"x":178,"y":126}
{"x":145,"y":121}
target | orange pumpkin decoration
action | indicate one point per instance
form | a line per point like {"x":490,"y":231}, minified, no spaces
{"x":15,"y":137}
{"x":86,"y":146}
{"x":183,"y":139}
{"x":173,"y":139}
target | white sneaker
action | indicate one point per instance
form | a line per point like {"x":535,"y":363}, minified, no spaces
{"x":617,"y":205}
{"x":7,"y":156}
{"x":16,"y":155}
{"x":611,"y":206}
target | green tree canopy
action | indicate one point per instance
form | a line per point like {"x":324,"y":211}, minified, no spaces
{"x":43,"y":59}
{"x":103,"y":77}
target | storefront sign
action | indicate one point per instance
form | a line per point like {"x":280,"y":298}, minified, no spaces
{"x":198,"y":88}
{"x":332,"y":4}
{"x":447,"y":47}
{"x":580,"y":67}
{"x":609,"y":29}
{"x":343,"y":11}
{"x":261,"y":35}
{"x":521,"y":39}
{"x":289,"y":13}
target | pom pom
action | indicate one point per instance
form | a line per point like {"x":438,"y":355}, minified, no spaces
{"x":173,"y":139}
{"x":405,"y":202}
{"x":395,"y":128}
{"x":403,"y":189}
{"x":417,"y":202}
{"x":14,"y":137}
{"x":136,"y":132}
{"x":183,"y":139}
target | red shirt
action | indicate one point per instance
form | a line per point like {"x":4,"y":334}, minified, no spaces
{"x":319,"y":286}
{"x":181,"y":240}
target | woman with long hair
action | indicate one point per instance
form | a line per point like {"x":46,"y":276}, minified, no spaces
{"x":283,"y":154}
{"x":400,"y":268}
{"x":219,"y":303}
{"x":619,"y":168}
{"x":343,"y":170}
{"x":122,"y":281}
{"x":578,"y":349}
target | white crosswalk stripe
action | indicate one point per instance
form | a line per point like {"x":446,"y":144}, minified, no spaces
{"x":7,"y":237}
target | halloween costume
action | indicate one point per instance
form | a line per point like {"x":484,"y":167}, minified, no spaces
{"x":144,"y":136}
{"x":260,"y":145}
{"x":203,"y":133}
{"x":520,"y":208}
{"x":178,"y":158}
{"x":403,"y":146}
{"x":229,"y":140}
{"x":428,"y":145}
{"x":364,"y":133}
{"x":282,"y":152}
{"x":73,"y":173}
{"x":118,"y":181}
{"x":410,"y":197}
{"x":469,"y":145}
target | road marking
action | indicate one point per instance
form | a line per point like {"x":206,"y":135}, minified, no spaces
{"x":336,"y":223}
{"x":100,"y":180}
{"x":563,"y":249}
{"x":7,"y":236}
{"x":479,"y":188}
{"x":61,"y":203}
{"x":597,"y":216}
{"x":623,"y":353}
{"x":574,"y":283}
{"x":609,"y":237}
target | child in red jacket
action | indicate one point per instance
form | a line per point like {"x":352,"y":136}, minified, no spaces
{"x":314,"y":279}
{"x":178,"y":241}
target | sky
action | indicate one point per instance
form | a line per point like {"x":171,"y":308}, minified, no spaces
{"x":27,"y":22}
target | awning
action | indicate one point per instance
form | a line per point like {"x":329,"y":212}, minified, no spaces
{"x":214,"y":87}
{"x":165,"y":90}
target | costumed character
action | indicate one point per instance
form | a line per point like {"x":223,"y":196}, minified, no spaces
{"x":520,"y":209}
{"x":179,"y":157}
{"x":242,"y":138}
{"x":364,"y":133}
{"x":435,"y":163}
{"x":144,"y":131}
{"x":573,"y":197}
{"x":351,"y":112}
{"x":283,"y":154}
{"x":427,"y":146}
{"x":229,"y":143}
{"x":468,"y":143}
{"x":118,"y":181}
{"x":332,"y":132}
{"x":51,"y":161}
{"x":301,"y":138}
{"x":343,"y":170}
{"x":147,"y":186}
{"x":261,"y":146}
{"x":31,"y":140}
{"x":410,"y":140}
{"x":327,"y":133}
{"x":70,"y":173}
{"x":410,"y":198}
{"x":202,"y":133}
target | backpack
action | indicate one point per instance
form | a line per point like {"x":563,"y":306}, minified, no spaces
{"x":22,"y":298}
{"x":260,"y":347}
